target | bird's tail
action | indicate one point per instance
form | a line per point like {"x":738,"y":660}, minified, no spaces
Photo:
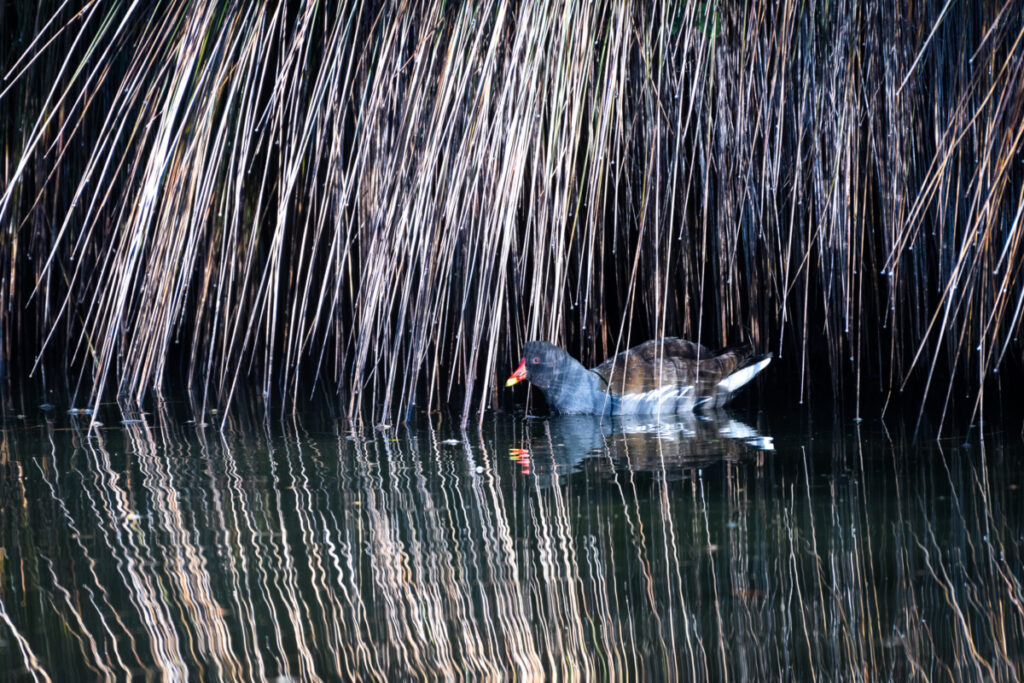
{"x":744,"y":373}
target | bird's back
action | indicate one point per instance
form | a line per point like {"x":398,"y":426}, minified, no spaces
{"x":670,"y":362}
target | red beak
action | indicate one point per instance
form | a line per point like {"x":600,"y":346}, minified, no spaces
{"x":518,"y":376}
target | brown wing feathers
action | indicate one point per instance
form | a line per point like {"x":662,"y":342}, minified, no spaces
{"x":670,"y":362}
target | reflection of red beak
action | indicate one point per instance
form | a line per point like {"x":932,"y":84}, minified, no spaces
{"x":518,"y":376}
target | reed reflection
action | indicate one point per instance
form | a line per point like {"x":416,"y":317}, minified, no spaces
{"x":615,"y":550}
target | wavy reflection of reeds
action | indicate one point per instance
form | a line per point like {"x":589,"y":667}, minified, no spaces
{"x":536,"y":548}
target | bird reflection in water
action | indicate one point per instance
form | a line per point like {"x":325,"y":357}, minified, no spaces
{"x":668,"y":447}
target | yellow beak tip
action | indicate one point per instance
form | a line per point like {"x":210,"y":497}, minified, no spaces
{"x":511,"y":381}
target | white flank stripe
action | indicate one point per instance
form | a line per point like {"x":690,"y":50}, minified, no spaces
{"x":654,"y":402}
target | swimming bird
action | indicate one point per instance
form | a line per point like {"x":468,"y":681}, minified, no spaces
{"x":663,"y":376}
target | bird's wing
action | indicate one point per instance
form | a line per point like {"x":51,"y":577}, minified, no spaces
{"x":667,"y":362}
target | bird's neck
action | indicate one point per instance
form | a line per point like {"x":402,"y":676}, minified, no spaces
{"x":580,"y":391}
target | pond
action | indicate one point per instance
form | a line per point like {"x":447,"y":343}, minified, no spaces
{"x":736,"y":545}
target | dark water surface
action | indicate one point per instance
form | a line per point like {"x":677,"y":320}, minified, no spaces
{"x":694,"y":549}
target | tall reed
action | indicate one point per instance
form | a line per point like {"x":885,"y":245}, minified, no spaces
{"x":388,"y":198}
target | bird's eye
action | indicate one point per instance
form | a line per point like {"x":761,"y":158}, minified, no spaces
{"x":536,"y":359}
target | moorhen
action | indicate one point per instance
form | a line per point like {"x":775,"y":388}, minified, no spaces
{"x":667,"y":376}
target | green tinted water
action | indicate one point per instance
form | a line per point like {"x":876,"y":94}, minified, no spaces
{"x":694,"y":549}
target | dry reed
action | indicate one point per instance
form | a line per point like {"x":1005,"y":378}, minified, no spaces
{"x":388,"y":198}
